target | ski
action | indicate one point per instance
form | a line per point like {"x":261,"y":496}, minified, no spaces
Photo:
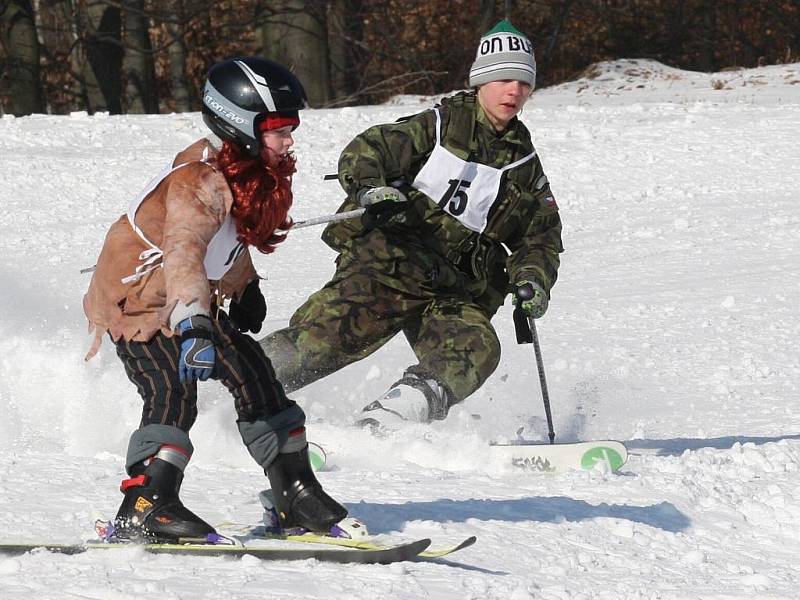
{"x":348,"y":533}
{"x":315,"y":538}
{"x":558,"y":458}
{"x":540,"y":457}
{"x":317,"y":456}
{"x":384,"y":555}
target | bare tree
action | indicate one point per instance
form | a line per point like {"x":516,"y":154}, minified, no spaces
{"x":345,"y":32}
{"x":177,"y":53}
{"x":20,"y":68}
{"x":559,"y":13}
{"x":64,"y":55}
{"x":55,"y":22}
{"x":508,"y":9}
{"x":294,"y":32}
{"x":102,"y":26}
{"x":487,"y":15}
{"x":139,"y":64}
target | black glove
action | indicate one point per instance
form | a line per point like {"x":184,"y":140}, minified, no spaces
{"x":249,"y":311}
{"x":380,"y":204}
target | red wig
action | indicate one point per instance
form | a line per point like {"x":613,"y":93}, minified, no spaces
{"x":262,"y":196}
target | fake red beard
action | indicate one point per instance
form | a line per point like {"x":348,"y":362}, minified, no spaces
{"x":262,"y":195}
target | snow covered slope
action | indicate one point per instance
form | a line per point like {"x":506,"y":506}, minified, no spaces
{"x":673,"y":327}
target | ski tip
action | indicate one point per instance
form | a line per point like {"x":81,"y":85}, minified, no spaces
{"x":317,"y":456}
{"x":403,"y":552}
{"x":421,"y":544}
{"x":465,"y":544}
{"x":442,"y":552}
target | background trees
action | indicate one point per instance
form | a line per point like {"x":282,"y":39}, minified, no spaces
{"x":149,"y":56}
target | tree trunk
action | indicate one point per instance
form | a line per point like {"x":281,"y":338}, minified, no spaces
{"x":508,"y":9}
{"x":294,"y":33}
{"x":705,"y":60}
{"x":345,"y":35}
{"x":337,"y":46}
{"x":560,"y":14}
{"x":86,"y":86}
{"x":176,"y":51}
{"x":104,"y":55}
{"x":56,"y":26}
{"x":141,"y":94}
{"x":487,"y":17}
{"x":21,"y":49}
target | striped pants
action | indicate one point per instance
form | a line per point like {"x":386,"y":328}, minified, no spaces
{"x":241,"y":366}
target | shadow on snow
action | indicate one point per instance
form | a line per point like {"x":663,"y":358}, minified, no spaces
{"x":384,"y":518}
{"x":676,"y":446}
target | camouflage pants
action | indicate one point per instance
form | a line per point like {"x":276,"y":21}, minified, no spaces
{"x":362,"y":308}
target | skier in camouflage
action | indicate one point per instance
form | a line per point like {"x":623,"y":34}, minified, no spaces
{"x":458,"y":214}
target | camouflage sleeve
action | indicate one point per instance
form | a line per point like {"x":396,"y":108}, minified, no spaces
{"x":384,"y":154}
{"x":535,"y":252}
{"x":381,"y":155}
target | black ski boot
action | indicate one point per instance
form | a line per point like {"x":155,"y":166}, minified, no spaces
{"x":152,"y":511}
{"x":299,"y":498}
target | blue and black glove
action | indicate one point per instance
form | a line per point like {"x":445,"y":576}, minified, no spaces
{"x":249,"y":311}
{"x":530,"y":298}
{"x":198,"y":354}
{"x":380,"y":204}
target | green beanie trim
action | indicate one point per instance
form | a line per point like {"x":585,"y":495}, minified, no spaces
{"x":504,"y":26}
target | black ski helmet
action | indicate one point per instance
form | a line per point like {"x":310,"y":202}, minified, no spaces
{"x":240,"y":92}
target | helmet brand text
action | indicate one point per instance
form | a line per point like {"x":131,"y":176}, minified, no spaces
{"x":223,"y":111}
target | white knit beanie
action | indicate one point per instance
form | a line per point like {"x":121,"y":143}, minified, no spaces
{"x":503,"y":53}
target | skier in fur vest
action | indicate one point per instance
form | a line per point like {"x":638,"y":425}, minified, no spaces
{"x":458,"y":214}
{"x":165,"y":270}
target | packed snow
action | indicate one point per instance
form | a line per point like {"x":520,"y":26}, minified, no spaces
{"x":673,"y":328}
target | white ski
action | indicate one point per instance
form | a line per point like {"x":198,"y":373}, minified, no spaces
{"x":557,"y":458}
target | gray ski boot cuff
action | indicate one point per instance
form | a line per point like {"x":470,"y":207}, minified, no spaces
{"x":437,"y":393}
{"x":146,"y":441}
{"x":265,"y":438}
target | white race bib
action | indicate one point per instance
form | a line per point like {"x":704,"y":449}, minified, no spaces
{"x":222,"y":250}
{"x":464,"y":190}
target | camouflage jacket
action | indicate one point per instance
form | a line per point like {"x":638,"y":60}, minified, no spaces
{"x":522,"y":237}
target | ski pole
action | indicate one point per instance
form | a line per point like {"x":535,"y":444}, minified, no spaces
{"x":542,"y":380}
{"x":342,"y":216}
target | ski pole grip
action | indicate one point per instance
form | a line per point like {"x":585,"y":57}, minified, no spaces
{"x":521,"y":327}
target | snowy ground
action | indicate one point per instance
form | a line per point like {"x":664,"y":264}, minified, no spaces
{"x":674,"y":328}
